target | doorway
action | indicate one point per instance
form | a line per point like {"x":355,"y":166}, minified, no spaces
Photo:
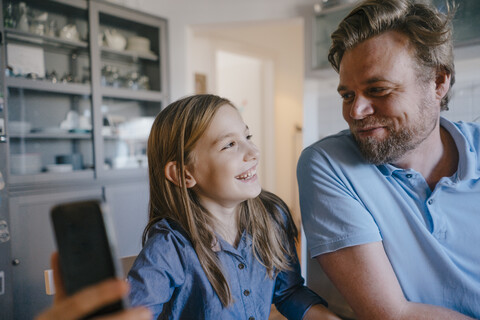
{"x":275,"y":49}
{"x":247,"y":82}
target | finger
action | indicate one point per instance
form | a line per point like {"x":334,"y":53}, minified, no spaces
{"x":139,"y":313}
{"x":57,"y":278}
{"x":88,"y":300}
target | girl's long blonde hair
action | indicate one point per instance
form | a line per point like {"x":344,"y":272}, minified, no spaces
{"x":174,"y":134}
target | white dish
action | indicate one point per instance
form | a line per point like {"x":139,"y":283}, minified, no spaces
{"x":66,"y":167}
{"x":138,"y":44}
{"x":55,"y":130}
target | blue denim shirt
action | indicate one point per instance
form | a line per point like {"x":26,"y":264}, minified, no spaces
{"x":167,"y":277}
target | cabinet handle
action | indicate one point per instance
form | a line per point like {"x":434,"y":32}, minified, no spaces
{"x":15,"y":262}
{"x":3,"y":139}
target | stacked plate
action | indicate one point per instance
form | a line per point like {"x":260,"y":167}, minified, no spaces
{"x":139,"y":45}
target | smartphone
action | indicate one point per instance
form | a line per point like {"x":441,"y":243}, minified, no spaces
{"x":86,"y":248}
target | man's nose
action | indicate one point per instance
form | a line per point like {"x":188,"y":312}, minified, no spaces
{"x":361,"y":108}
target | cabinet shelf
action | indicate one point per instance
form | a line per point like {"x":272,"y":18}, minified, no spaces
{"x":77,"y":136}
{"x":49,"y":177}
{"x":128,"y":94}
{"x":31,"y":38}
{"x":109,"y":52}
{"x":44,"y":85}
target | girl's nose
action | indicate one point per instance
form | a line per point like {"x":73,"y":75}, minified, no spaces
{"x":252,"y":152}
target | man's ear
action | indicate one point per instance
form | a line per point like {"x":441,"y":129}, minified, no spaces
{"x":171,"y":173}
{"x":442,"y":83}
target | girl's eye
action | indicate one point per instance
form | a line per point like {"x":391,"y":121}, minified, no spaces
{"x":231,"y":144}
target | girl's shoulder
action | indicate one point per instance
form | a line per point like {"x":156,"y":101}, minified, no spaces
{"x":279,"y":211}
{"x":275,"y":205}
{"x":167,"y":232}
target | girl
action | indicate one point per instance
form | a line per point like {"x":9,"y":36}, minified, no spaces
{"x":216,"y":246}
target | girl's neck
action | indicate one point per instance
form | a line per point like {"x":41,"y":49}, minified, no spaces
{"x":226,"y":225}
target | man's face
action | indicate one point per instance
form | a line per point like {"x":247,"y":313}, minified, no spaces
{"x":389,"y":109}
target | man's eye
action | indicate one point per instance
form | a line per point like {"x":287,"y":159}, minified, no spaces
{"x":378,"y":91}
{"x":346,"y":96}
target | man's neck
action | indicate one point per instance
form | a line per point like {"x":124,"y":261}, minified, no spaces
{"x":436,"y":157}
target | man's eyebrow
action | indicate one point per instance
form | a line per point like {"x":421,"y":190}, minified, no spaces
{"x":369,"y":81}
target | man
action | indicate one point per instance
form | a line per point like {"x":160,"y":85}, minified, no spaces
{"x":391,"y":207}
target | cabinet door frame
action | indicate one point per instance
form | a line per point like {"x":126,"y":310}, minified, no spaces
{"x":28,"y":283}
{"x":96,"y":8}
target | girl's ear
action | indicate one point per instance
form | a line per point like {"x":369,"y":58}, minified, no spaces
{"x":171,"y":174}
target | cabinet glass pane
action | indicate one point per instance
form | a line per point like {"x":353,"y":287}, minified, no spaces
{"x":466,"y":29}
{"x":126,"y":126}
{"x":325,"y":24}
{"x":49,"y":132}
{"x":46,"y":41}
{"x":129,"y":54}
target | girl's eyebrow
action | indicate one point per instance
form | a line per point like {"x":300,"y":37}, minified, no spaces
{"x":226,"y":136}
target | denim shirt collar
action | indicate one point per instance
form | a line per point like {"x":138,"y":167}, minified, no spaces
{"x":244,"y":245}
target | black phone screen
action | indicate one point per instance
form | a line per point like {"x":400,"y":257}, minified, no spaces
{"x":83,"y":246}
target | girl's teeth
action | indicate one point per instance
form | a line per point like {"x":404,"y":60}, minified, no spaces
{"x":246,"y":175}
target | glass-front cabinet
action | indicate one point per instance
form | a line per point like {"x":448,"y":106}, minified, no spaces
{"x":47,"y":89}
{"x":83,"y":83}
{"x":328,"y":14}
{"x":466,"y":30}
{"x":129,"y":75}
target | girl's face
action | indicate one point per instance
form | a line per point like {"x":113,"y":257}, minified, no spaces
{"x":224,"y":162}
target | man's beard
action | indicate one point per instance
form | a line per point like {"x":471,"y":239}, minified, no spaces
{"x":398,"y":141}
{"x":389,"y":149}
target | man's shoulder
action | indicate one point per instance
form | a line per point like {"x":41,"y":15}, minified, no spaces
{"x":342,"y":139}
{"x":469,"y":130}
{"x":336,"y":146}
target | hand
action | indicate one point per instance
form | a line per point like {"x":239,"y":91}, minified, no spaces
{"x":89,"y":299}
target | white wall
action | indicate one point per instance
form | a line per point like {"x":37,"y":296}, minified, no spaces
{"x":183,"y":13}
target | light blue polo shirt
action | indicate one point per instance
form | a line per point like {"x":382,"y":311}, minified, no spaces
{"x":432,"y":239}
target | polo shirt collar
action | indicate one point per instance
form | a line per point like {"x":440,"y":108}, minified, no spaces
{"x":466,"y":162}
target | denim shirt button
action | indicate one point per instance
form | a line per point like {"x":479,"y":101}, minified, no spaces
{"x":246,"y":293}
{"x":409,"y":175}
{"x":241,"y":266}
{"x":251,"y":318}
